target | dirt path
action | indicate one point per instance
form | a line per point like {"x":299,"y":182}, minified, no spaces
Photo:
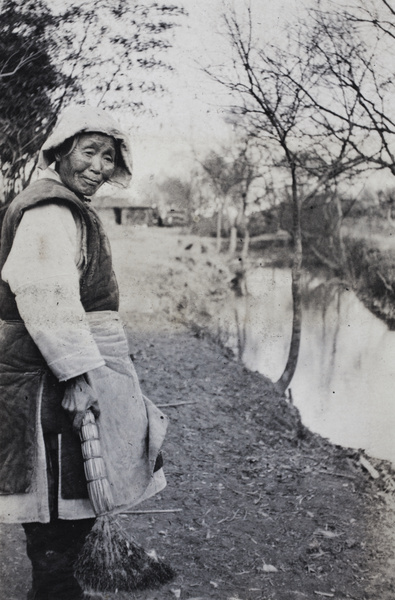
{"x":263,"y":510}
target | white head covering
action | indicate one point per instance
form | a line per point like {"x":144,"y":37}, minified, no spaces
{"x":85,"y":119}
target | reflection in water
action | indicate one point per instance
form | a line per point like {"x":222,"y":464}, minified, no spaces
{"x":345,"y":379}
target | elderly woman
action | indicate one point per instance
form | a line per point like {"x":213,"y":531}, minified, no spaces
{"x":63,"y":351}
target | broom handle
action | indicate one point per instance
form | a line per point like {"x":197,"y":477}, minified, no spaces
{"x":99,"y":489}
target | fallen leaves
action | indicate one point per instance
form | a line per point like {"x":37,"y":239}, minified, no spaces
{"x":327,"y":533}
{"x":268,"y":568}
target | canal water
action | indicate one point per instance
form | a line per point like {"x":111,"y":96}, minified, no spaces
{"x":344,"y":385}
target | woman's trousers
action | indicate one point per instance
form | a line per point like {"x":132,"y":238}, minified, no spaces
{"x":53,"y":547}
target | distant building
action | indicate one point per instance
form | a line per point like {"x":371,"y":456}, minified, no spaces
{"x":121,"y":209}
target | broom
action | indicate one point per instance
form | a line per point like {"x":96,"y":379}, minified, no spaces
{"x":110,"y":559}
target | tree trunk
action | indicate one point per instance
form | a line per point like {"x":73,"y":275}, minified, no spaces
{"x":289,"y":371}
{"x":339,"y":234}
{"x":232,"y":240}
{"x":246,"y":245}
{"x":219,"y":229}
{"x":241,"y":335}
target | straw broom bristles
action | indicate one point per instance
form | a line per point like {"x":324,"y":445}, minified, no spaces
{"x":110,"y":559}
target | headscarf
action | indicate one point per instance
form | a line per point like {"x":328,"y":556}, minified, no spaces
{"x":86,"y":119}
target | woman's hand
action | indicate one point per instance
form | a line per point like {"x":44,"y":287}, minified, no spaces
{"x":80,"y":397}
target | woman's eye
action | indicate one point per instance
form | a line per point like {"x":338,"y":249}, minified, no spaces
{"x":109,"y":159}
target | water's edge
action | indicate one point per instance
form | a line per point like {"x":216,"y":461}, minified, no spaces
{"x":344,"y":381}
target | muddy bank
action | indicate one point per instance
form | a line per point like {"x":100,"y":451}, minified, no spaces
{"x":263,"y":510}
{"x":269,"y":510}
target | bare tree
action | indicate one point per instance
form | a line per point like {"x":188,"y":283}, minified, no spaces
{"x":248,"y":173}
{"x":273,"y":87}
{"x":221,"y":173}
{"x":351,"y":52}
{"x":232,"y":171}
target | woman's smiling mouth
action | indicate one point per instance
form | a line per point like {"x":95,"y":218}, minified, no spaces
{"x":91,"y":182}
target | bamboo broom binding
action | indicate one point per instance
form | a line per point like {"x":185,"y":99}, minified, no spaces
{"x":99,"y":488}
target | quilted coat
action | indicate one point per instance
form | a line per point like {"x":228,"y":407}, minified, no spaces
{"x":132,"y":429}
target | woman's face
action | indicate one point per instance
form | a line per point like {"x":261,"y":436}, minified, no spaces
{"x":89,"y":164}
